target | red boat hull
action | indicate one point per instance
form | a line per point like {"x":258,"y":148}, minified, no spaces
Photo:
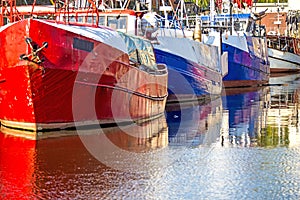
{"x":77,"y":78}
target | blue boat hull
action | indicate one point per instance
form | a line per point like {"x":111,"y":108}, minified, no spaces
{"x":188,"y":80}
{"x":247,"y":68}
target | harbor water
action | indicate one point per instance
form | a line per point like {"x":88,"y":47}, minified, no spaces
{"x":243,"y":145}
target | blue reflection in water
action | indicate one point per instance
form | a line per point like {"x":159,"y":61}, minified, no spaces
{"x":194,"y":124}
{"x":244,"y":109}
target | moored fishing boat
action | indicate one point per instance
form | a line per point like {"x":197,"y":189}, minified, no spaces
{"x":195,"y":69}
{"x":284,"y":54}
{"x":284,"y":50}
{"x":245,"y":42}
{"x":66,"y":74}
{"x":248,"y":63}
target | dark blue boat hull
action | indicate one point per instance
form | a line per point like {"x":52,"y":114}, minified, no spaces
{"x":247,"y":68}
{"x":188,"y":80}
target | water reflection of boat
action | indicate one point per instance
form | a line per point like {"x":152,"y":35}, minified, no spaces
{"x":144,"y":129}
{"x":75,"y":73}
{"x":266,"y":117}
{"x":243,"y":111}
{"x":283,"y":112}
{"x":283,"y":78}
{"x":39,"y":169}
{"x":194,"y":124}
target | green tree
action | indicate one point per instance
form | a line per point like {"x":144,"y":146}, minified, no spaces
{"x":201,"y":3}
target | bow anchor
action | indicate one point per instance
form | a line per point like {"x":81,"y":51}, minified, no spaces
{"x":33,"y":56}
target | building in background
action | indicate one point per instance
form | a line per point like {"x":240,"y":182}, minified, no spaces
{"x":277,"y":19}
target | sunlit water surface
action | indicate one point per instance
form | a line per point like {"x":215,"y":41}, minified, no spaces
{"x":244,"y":145}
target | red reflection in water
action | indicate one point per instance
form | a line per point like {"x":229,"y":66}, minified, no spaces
{"x":63,"y":168}
{"x":17,"y":158}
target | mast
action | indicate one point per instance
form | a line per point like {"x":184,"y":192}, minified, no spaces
{"x":230,"y":16}
{"x":212,"y":12}
{"x":181,"y":9}
{"x":278,"y":22}
{"x":165,"y":14}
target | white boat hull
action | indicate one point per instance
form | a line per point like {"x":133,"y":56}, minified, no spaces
{"x":283,"y":61}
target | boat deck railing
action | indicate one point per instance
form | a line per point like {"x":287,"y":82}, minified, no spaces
{"x":281,"y":43}
{"x":11,"y":10}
